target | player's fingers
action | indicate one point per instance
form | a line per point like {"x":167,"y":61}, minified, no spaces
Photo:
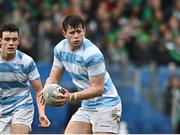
{"x":60,"y":95}
{"x":59,"y":102}
{"x":57,"y":94}
{"x":40,"y":94}
{"x":44,"y":122}
{"x":42,"y":101}
{"x":43,"y":125}
{"x":64,"y":90}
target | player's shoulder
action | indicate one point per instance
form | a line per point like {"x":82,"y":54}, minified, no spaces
{"x":61,"y":44}
{"x":88,"y":44}
{"x":60,"y":47}
{"x":23,"y":56}
{"x":90,"y":48}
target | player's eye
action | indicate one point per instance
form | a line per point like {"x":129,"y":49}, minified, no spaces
{"x":14,"y":39}
{"x":7,"y":39}
{"x":78,"y":31}
{"x":72,"y":32}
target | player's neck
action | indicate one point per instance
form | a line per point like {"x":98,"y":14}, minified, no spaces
{"x":74,"y":48}
{"x":7,"y":57}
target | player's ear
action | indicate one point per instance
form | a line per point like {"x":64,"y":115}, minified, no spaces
{"x":0,"y":43}
{"x":19,"y":40}
{"x":64,"y":33}
{"x":84,"y":29}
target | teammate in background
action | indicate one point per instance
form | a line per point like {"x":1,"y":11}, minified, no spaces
{"x":101,"y":105}
{"x":16,"y":71}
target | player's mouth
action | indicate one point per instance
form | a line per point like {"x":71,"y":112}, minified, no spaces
{"x":11,"y":49}
{"x":77,"y":42}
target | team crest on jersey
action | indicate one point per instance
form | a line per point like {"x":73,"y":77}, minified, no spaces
{"x":79,"y":61}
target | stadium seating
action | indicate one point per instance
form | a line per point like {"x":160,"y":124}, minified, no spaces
{"x":140,"y":116}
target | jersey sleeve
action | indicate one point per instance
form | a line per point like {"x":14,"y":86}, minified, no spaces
{"x":96,"y":65}
{"x":32,"y":70}
{"x":57,"y":58}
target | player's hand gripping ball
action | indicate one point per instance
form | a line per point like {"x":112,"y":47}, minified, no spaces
{"x":52,"y":92}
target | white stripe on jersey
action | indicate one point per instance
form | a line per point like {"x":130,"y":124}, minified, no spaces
{"x":11,"y":76}
{"x":90,"y":51}
{"x":13,"y":91}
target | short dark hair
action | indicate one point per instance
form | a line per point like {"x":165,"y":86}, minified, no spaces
{"x":8,"y":27}
{"x":73,"y":21}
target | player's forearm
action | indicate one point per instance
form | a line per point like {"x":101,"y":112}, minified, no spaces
{"x":38,"y":88}
{"x":41,"y":107}
{"x":88,"y":93}
{"x":95,"y":90}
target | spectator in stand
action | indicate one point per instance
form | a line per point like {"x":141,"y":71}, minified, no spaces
{"x":117,"y":50}
{"x":172,"y":101}
{"x":174,"y":50}
{"x":176,"y":9}
{"x":160,"y":53}
{"x":142,"y":53}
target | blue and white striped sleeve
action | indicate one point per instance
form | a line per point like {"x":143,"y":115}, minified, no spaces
{"x":96,"y":65}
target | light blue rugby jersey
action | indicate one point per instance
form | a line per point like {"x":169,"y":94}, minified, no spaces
{"x":83,"y":63}
{"x":14,"y":83}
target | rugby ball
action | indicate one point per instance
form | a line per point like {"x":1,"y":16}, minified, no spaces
{"x":51,"y":92}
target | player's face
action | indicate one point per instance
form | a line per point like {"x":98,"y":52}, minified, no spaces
{"x":9,"y":42}
{"x":75,"y":37}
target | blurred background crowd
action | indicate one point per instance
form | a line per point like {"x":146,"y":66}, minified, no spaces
{"x":126,"y":31}
{"x":140,"y":40}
